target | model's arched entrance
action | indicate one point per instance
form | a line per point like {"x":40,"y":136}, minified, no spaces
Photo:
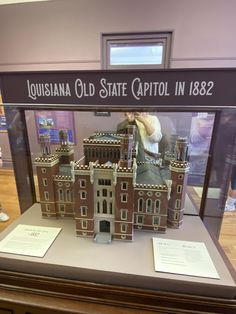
{"x":105,"y":226}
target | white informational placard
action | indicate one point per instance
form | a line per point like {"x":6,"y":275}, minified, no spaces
{"x":29,"y":240}
{"x":183,"y":257}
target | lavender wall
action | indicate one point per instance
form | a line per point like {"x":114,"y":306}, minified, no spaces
{"x":66,"y":34}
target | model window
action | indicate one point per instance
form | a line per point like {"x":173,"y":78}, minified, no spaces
{"x":83,"y":195}
{"x":84,"y":224}
{"x":104,"y":192}
{"x":177,"y":204}
{"x":141,"y":193}
{"x":156,"y":220}
{"x":45,"y":182}
{"x":157,"y":206}
{"x":139,"y":219}
{"x":84,"y":210}
{"x":44,"y":170}
{"x":179,"y":188}
{"x":46,"y":196}
{"x":148,"y":205}
{"x":59,"y":184}
{"x":87,"y":152}
{"x":141,"y":204}
{"x":68,"y":195}
{"x":136,"y":51}
{"x":124,"y":197}
{"x":180,"y":176}
{"x":60,"y":195}
{"x":110,"y":193}
{"x":93,"y":154}
{"x":104,"y":182}
{"x":98,"y":207}
{"x":158,"y":194}
{"x":67,"y":185}
{"x":104,"y":207}
{"x":123,"y":228}
{"x":48,"y":207}
{"x":123,"y":214}
{"x":124,"y":185}
{"x":176,"y":216}
{"x":149,"y":193}
{"x":111,"y":209}
{"x":98,"y":193}
{"x":82,"y":183}
{"x":62,"y":208}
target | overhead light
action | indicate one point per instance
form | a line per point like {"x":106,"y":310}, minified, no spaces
{"x":2,"y":2}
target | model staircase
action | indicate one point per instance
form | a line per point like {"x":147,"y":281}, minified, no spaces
{"x":103,"y":237}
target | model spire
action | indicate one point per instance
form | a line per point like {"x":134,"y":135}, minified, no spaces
{"x":181,"y":149}
{"x":44,"y":140}
{"x":63,"y":137}
{"x":126,"y":150}
{"x":179,"y":168}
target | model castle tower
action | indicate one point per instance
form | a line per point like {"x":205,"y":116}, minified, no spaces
{"x":126,"y":151}
{"x":179,"y":168}
{"x":54,"y":178}
{"x":47,"y":166}
{"x":65,"y":151}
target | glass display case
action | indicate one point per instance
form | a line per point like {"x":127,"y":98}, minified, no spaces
{"x":118,"y":160}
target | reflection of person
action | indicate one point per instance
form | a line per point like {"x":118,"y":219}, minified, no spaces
{"x":3,"y":217}
{"x":200,"y":134}
{"x":224,"y":161}
{"x":231,"y":199}
{"x":148,"y":129}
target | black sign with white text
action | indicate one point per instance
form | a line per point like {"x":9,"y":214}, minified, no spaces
{"x":190,"y":87}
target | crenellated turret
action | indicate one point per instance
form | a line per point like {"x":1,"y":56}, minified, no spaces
{"x":44,"y":140}
{"x":170,"y":154}
{"x":181,"y":149}
{"x":179,"y":168}
{"x":63,"y":137}
{"x":65,"y":151}
{"x":47,"y":166}
{"x":126,"y":150}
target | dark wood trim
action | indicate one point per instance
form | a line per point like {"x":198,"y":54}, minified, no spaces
{"x":115,"y":296}
{"x":21,"y":158}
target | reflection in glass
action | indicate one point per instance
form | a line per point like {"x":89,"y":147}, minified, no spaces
{"x":153,"y":167}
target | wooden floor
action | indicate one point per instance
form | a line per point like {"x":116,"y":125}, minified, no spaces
{"x":228,"y":236}
{"x":9,"y":200}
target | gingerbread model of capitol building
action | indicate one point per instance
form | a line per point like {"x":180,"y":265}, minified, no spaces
{"x":109,"y":191}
